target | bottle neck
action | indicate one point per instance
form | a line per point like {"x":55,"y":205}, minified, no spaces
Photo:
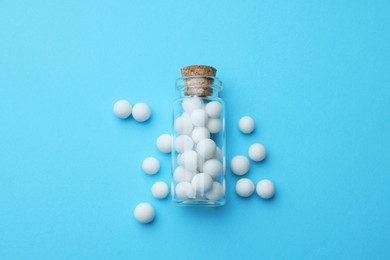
{"x":199,"y":86}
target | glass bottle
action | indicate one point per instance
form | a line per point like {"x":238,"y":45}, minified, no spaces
{"x":198,"y":151}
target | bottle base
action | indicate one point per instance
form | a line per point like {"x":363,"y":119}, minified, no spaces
{"x":199,"y":203}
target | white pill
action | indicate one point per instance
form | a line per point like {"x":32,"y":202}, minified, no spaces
{"x":245,"y":187}
{"x":213,"y":168}
{"x":122,"y":108}
{"x":216,"y":191}
{"x":183,"y":143}
{"x":214,"y":109}
{"x":189,"y":160}
{"x":160,"y":190}
{"x":151,"y":165}
{"x":183,"y":124}
{"x":181,"y":174}
{"x":206,"y":148}
{"x":144,"y":213}
{"x":214,"y":125}
{"x":200,"y":133}
{"x":265,"y":189}
{"x":199,"y":117}
{"x":239,"y":165}
{"x":141,"y":112}
{"x":257,"y":152}
{"x":164,"y":143}
{"x":218,"y":154}
{"x":184,"y":190}
{"x":246,"y":124}
{"x":202,"y":182}
{"x":192,"y":103}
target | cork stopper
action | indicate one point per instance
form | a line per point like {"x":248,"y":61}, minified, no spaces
{"x":198,"y":86}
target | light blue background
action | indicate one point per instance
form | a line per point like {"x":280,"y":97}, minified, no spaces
{"x":315,"y":75}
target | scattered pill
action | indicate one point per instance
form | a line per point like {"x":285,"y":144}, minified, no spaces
{"x":239,"y":165}
{"x":257,"y":152}
{"x":122,"y":108}
{"x":213,"y":168}
{"x":200,"y":133}
{"x":183,"y":143}
{"x":202,"y":182}
{"x":160,"y":190}
{"x":144,"y":213}
{"x":265,"y":189}
{"x":151,"y":165}
{"x":141,"y":112}
{"x":164,"y":143}
{"x":206,"y":148}
{"x":245,"y":187}
{"x":214,"y":109}
{"x":246,"y":124}
{"x":214,"y":125}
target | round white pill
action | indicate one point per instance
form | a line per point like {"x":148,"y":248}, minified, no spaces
{"x":164,"y":143}
{"x":181,"y":174}
{"x":160,"y":190}
{"x":192,"y":103}
{"x":206,"y":148}
{"x":257,"y":152}
{"x":213,"y":168}
{"x":214,"y":109}
{"x":239,"y":165}
{"x":245,"y":187}
{"x":141,"y":112}
{"x":214,"y":125}
{"x":199,"y":117}
{"x":144,"y":213}
{"x":151,"y":165}
{"x":200,"y":133}
{"x":122,"y":108}
{"x":202,"y":182}
{"x":216,"y":191}
{"x":184,"y":190}
{"x":246,"y":124}
{"x":265,"y":189}
{"x":183,"y":124}
{"x":189,"y":160}
{"x":183,"y":143}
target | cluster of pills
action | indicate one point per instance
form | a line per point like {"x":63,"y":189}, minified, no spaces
{"x":123,"y":109}
{"x":198,"y":169}
{"x":240,"y":165}
{"x":198,"y":166}
{"x":144,"y":212}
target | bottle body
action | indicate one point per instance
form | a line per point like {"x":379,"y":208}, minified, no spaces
{"x":198,"y":151}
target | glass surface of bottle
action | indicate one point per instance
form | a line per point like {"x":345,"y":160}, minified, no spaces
{"x":198,"y":149}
